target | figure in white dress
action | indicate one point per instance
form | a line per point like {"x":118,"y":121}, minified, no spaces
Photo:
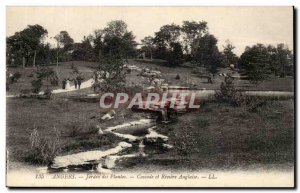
{"x":68,"y":85}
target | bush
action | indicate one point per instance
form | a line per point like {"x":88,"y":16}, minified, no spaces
{"x":228,"y":93}
{"x":17,"y":75}
{"x":48,"y":93}
{"x":253,"y":103}
{"x":177,"y":77}
{"x":36,"y":85}
{"x":43,"y":149}
{"x":81,"y":131}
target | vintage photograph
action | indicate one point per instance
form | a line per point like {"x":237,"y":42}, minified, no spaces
{"x":150,"y":97}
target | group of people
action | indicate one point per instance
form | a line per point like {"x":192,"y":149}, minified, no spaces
{"x":66,"y":83}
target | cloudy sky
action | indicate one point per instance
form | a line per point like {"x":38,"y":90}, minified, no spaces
{"x":243,"y":26}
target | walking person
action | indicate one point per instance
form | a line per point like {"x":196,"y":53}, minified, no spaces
{"x":79,"y":82}
{"x":67,"y":84}
{"x":75,"y":82}
{"x":64,"y":82}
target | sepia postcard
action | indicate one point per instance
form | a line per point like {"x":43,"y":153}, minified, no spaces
{"x":139,"y":97}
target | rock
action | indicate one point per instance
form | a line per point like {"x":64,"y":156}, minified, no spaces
{"x":167,"y":146}
{"x":100,"y":132}
{"x":86,"y":157}
{"x":154,"y":137}
{"x":109,"y":115}
{"x":102,"y":170}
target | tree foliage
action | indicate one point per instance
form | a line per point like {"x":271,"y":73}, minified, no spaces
{"x":255,"y":63}
{"x":23,"y":45}
{"x":192,"y":31}
{"x":64,"y":44}
{"x":148,"y":45}
{"x":44,"y":76}
{"x":114,"y":41}
{"x":207,"y":53}
{"x":110,"y":76}
{"x":229,"y":56}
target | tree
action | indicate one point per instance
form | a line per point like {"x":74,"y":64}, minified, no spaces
{"x":24,"y":45}
{"x":229,"y":56}
{"x":255,"y":63}
{"x":116,"y":28}
{"x":64,"y":44}
{"x":281,"y":60}
{"x":191,"y":31}
{"x":114,"y":41}
{"x":44,"y":76}
{"x":83,"y":51}
{"x":167,"y":34}
{"x":96,"y":38}
{"x":109,"y":77}
{"x":207,"y":53}
{"x":147,"y":43}
{"x":175,"y":56}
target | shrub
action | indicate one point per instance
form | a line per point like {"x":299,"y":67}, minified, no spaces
{"x":228,"y":93}
{"x":44,"y":75}
{"x":253,"y":103}
{"x":36,"y":85}
{"x":17,"y":75}
{"x":48,"y":92}
{"x":177,"y":77}
{"x":74,"y":130}
{"x":43,"y":149}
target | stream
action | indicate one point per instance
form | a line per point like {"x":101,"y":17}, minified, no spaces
{"x":139,"y":140}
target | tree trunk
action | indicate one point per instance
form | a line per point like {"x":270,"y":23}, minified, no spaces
{"x":34,"y":58}
{"x":23,"y":60}
{"x":57,"y":61}
{"x":151,"y":54}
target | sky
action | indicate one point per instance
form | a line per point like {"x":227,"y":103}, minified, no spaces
{"x":242,"y":26}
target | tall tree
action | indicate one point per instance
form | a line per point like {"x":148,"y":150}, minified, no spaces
{"x":25,"y":44}
{"x":167,"y":34}
{"x":83,"y":51}
{"x":163,"y":39}
{"x":147,"y":43}
{"x":191,"y":31}
{"x":281,"y":60}
{"x":64,"y":44}
{"x":255,"y":63}
{"x":115,"y":40}
{"x":96,"y":39}
{"x":175,"y":55}
{"x":207,"y":53}
{"x":229,"y":56}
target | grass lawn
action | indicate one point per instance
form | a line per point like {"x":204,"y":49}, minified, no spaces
{"x":224,"y":137}
{"x":75,"y":121}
